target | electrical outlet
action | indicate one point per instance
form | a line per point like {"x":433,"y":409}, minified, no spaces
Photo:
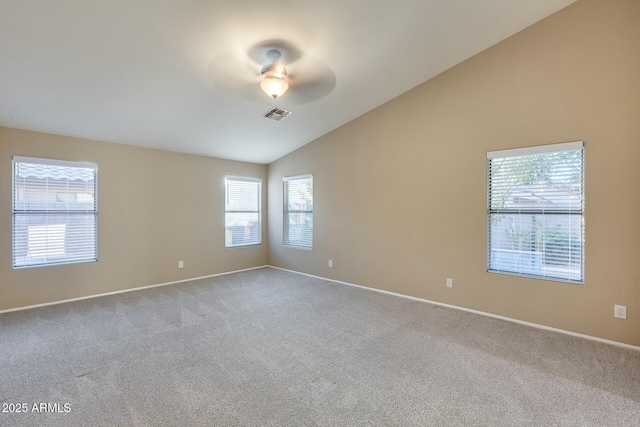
{"x":449,"y":283}
{"x":330,"y":263}
{"x":180,"y":264}
{"x":620,"y":311}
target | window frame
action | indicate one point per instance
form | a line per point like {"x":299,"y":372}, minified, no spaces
{"x":286,"y":211}
{"x":15,"y":161}
{"x":258,"y":181}
{"x":541,"y":149}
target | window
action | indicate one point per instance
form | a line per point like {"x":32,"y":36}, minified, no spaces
{"x":535,"y":212}
{"x":298,"y":211}
{"x":243,"y":211}
{"x":55,"y":212}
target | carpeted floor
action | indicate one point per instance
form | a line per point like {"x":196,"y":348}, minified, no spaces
{"x":271,"y":348}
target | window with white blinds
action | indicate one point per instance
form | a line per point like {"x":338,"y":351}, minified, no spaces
{"x":243,"y":211}
{"x":55,"y":212}
{"x":298,"y":211}
{"x":536,"y":212}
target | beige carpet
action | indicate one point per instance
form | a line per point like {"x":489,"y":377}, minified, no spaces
{"x":271,"y":348}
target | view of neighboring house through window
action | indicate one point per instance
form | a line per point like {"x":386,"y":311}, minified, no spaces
{"x":55,"y":212}
{"x":536,"y":212}
{"x":243,"y":211}
{"x":298,"y":211}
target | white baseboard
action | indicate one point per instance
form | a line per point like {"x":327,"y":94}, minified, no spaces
{"x":28,"y":307}
{"x":469,"y":310}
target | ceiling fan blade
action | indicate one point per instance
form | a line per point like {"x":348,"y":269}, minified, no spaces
{"x":311,"y":80}
{"x":230,"y":71}
{"x":237,"y":77}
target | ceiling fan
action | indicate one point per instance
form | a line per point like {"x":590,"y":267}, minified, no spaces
{"x":277,"y":67}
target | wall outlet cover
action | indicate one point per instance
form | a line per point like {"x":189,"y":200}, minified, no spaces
{"x":620,"y":311}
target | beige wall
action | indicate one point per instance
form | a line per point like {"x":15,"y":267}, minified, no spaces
{"x":155,"y":208}
{"x":400,"y":193}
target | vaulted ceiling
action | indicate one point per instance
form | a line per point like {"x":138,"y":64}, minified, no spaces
{"x":184,"y":75}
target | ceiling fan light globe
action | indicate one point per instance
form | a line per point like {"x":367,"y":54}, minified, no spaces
{"x":274,"y":86}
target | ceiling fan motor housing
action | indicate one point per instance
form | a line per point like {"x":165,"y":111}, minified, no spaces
{"x":274,"y":70}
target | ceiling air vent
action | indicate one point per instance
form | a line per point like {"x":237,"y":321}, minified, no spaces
{"x":276,"y":114}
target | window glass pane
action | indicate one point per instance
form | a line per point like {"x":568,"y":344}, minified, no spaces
{"x":299,"y":229}
{"x":51,"y":187}
{"x":300,"y":195}
{"x":243,"y":196}
{"x":242,"y":229}
{"x":549,"y":181}
{"x":53,"y":239}
{"x":541,"y":245}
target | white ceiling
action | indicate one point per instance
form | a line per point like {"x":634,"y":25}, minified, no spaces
{"x":146,"y":72}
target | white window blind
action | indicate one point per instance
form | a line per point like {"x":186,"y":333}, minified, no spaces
{"x":243,"y":211}
{"x":55,"y":212}
{"x":298,"y":211}
{"x":536,"y":212}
